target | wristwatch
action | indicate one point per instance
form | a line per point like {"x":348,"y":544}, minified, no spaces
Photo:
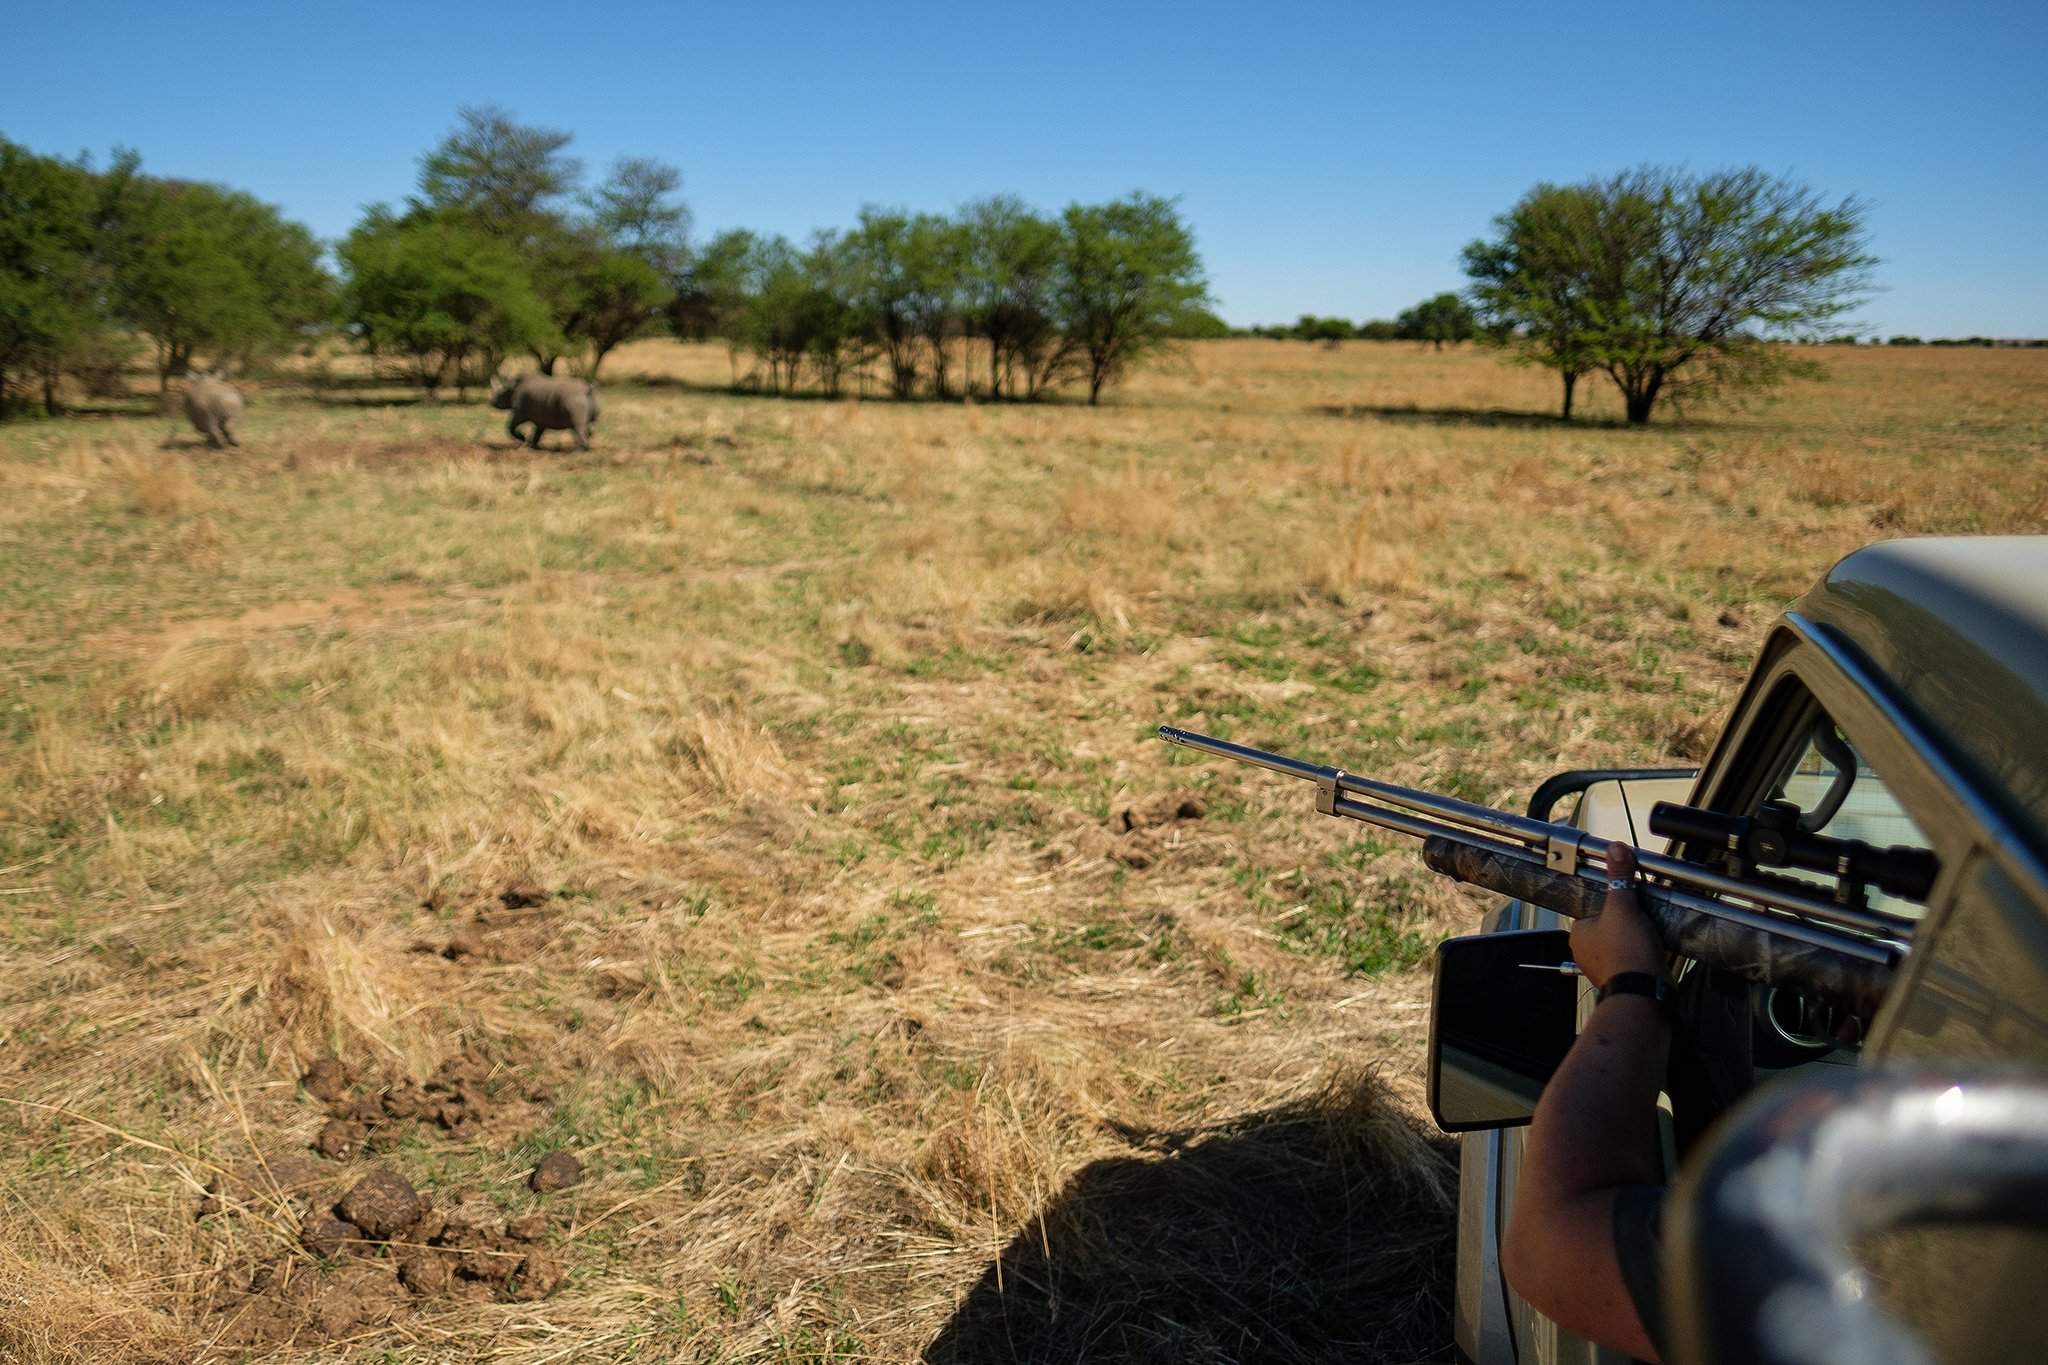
{"x":1644,"y":984}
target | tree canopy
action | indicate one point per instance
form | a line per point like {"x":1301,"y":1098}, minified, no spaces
{"x":90,"y":258}
{"x":51,"y":276}
{"x":1673,"y":285}
{"x":201,"y":269}
{"x":1446,"y":317}
{"x":1033,"y":300}
{"x":444,"y":300}
{"x":1131,"y":278}
{"x":605,"y":265}
{"x":504,"y":248}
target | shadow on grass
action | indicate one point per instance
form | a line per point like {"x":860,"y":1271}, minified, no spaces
{"x":1469,"y":417}
{"x":100,"y":409}
{"x":1319,"y":1232}
{"x":328,"y":399}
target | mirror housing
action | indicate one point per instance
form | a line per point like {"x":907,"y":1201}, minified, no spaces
{"x":1501,"y":1019}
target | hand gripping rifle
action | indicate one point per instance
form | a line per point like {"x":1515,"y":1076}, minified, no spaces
{"x":1762,"y":928}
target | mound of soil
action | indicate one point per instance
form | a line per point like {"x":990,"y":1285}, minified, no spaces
{"x":341,"y":1139}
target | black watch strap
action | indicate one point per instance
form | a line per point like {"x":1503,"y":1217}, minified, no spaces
{"x":1644,"y":984}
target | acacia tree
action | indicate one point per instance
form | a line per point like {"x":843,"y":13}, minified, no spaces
{"x":1129,"y":277}
{"x":1533,"y":281}
{"x":1680,"y":286}
{"x":835,"y":335}
{"x":712,"y":299}
{"x":935,"y":266}
{"x":1698,"y":278}
{"x":1010,"y":294}
{"x":884,"y":291}
{"x":444,"y":300}
{"x":51,"y":284}
{"x":504,"y":179}
{"x":629,"y":255}
{"x":635,"y":210}
{"x":601,"y":298}
{"x":201,"y":269}
{"x":606,"y":265}
{"x":1446,"y":317}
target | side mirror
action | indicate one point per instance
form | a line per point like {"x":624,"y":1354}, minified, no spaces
{"x":1501,"y":1018}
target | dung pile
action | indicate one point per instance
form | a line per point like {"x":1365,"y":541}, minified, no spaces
{"x":370,"y":1253}
{"x":464,"y":1094}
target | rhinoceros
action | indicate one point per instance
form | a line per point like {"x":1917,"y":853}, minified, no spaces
{"x":214,"y":406}
{"x":550,"y":403}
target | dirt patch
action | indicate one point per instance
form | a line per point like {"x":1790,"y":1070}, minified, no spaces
{"x":326,"y":1080}
{"x":1136,"y":836}
{"x":273,"y":1186}
{"x":1166,"y":810}
{"x":347,"y":607}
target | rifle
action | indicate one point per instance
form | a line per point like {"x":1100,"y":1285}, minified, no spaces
{"x":1762,"y":928}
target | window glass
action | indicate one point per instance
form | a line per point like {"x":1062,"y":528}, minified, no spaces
{"x":1844,"y":797}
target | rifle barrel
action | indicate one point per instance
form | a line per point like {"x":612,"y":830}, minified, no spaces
{"x":1427,"y":815}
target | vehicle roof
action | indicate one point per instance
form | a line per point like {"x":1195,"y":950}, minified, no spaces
{"x":1959,"y":624}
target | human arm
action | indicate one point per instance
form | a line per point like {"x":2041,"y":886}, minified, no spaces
{"x":1594,"y":1135}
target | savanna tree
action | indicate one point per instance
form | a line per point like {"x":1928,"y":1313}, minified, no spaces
{"x":52,"y":281}
{"x":446,"y":301}
{"x":1434,"y":321}
{"x":199,"y":269}
{"x":606,"y":265}
{"x":1011,"y":294}
{"x":1533,"y":281}
{"x":884,"y":291}
{"x":935,"y":266}
{"x":1681,"y":285}
{"x":712,"y":299}
{"x":503,"y":179}
{"x":1129,"y":277}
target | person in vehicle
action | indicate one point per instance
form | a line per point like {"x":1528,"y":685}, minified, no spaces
{"x":1582,"y":1238}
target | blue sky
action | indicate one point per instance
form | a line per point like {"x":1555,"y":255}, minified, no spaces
{"x":1331,"y":157}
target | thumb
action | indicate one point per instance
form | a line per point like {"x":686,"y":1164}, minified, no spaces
{"x":1621,"y":873}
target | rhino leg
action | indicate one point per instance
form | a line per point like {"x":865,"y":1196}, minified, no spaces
{"x":227,"y":430}
{"x":583,"y":434}
{"x":211,"y":430}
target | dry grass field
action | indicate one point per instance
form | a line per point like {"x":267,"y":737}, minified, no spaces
{"x":762,"y":808}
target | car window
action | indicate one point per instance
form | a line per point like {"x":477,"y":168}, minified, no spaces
{"x":1843,"y":796}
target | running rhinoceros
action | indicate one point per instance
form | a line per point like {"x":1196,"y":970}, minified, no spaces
{"x":214,"y":407}
{"x":550,"y":403}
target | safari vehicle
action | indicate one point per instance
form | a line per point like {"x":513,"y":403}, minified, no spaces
{"x":1880,"y":1199}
